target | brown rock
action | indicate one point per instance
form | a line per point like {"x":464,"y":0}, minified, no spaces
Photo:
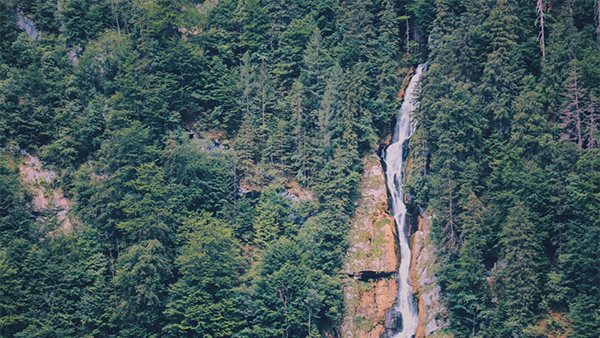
{"x":367,"y":306}
{"x":432,"y":311}
{"x":372,"y":258}
{"x":46,"y":197}
{"x":373,"y":234}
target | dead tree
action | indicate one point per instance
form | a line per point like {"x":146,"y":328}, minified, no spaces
{"x":540,"y":19}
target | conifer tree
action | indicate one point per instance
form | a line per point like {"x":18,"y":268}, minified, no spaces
{"x":521,"y":280}
{"x":254,"y":22}
{"x":593,"y":122}
{"x":201,"y":301}
{"x":303,"y":157}
{"x":245,"y":147}
{"x":572,"y":114}
{"x":312,"y":74}
{"x":143,"y":272}
{"x":542,"y":36}
{"x":329,"y":119}
{"x":502,"y":73}
{"x":467,"y":287}
{"x":265,"y":98}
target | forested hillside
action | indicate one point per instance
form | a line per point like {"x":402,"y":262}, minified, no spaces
{"x":212,"y":152}
{"x":211,"y":149}
{"x":507,"y":162}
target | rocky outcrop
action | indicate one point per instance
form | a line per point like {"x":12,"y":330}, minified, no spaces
{"x":27,"y":25}
{"x":432,"y":312}
{"x":372,"y":258}
{"x":50,"y":207}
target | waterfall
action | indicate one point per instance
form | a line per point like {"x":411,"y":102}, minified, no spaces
{"x":393,"y":157}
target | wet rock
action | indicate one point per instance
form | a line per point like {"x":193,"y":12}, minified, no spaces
{"x":432,"y":311}
{"x":367,"y":306}
{"x":393,"y":323}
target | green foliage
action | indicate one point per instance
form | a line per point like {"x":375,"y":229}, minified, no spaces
{"x":202,"y":236}
{"x":202,"y":300}
{"x":292,"y":298}
{"x":85,"y":20}
{"x":273,"y":218}
{"x":497,"y":154}
{"x":143,"y":272}
{"x":14,"y":218}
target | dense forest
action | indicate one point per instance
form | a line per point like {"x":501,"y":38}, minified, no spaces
{"x":506,"y":159}
{"x":179,"y":127}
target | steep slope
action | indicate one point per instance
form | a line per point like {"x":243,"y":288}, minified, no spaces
{"x":372,"y":259}
{"x":432,"y":311}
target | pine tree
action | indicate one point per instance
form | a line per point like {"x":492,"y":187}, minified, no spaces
{"x":592,"y":123}
{"x":597,"y":15}
{"x":358,"y":39}
{"x":312,"y":74}
{"x":279,"y":145}
{"x":254,"y":21}
{"x":520,"y":271}
{"x":143,"y":273}
{"x":329,"y":119}
{"x":291,"y":49}
{"x":304,"y":156}
{"x":201,"y":301}
{"x":385,"y":61}
{"x":245,"y":147}
{"x":542,"y":36}
{"x":265,"y":98}
{"x":501,"y":77}
{"x":571,"y":115}
{"x":467,"y":288}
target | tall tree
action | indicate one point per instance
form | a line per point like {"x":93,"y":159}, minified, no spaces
{"x":521,"y":282}
{"x":541,"y":17}
{"x":202,"y":300}
{"x":571,"y":119}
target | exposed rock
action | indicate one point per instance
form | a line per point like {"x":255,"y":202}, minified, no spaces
{"x":299,"y":193}
{"x":373,"y":235}
{"x":407,"y":77}
{"x":27,"y":25}
{"x":386,"y":142}
{"x":393,"y":322}
{"x":49,"y":202}
{"x":372,"y":259}
{"x":553,"y":325}
{"x":432,"y":312}
{"x":367,"y":304}
{"x":74,"y":54}
{"x":366,"y":276}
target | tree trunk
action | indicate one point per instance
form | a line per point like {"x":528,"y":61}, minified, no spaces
{"x":578,"y":114}
{"x":541,"y":17}
{"x":408,"y":36}
{"x":598,"y":21}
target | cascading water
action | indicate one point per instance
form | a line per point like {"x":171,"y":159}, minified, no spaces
{"x":393,"y":157}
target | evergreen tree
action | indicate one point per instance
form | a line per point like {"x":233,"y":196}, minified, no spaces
{"x":521,"y":282}
{"x":143,"y":272}
{"x":572,"y":114}
{"x":201,"y":301}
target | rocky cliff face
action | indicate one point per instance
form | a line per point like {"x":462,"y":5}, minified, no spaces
{"x":372,"y":263}
{"x":372,"y":259}
{"x":432,"y":312}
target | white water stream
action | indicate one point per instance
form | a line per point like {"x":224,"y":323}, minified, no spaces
{"x":393,"y":157}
